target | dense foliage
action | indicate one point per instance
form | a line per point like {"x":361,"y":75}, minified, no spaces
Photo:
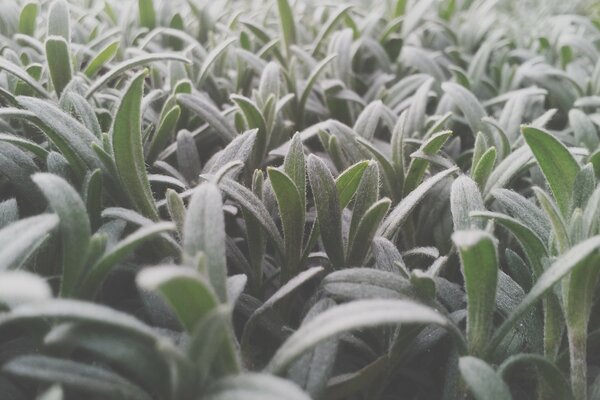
{"x":268,"y":200}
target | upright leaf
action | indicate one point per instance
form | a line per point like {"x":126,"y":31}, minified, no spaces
{"x":127,"y":148}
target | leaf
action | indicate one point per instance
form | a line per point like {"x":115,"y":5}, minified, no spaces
{"x":398,"y":215}
{"x":482,"y":170}
{"x":254,"y":386}
{"x":127,"y":148}
{"x":348,"y":181}
{"x":367,"y":195}
{"x":58,"y":57}
{"x":163,"y":133}
{"x":129,"y":64}
{"x":69,"y":135}
{"x":483,"y":382}
{"x":93,"y":279}
{"x":18,"y":287}
{"x":354,"y":315}
{"x":190,"y":296}
{"x":328,"y":209}
{"x":204,"y":231}
{"x":27,"y":18}
{"x":105,"y":55}
{"x":564,"y":264}
{"x":292,"y":214}
{"x":249,"y":202}
{"x":287,"y":24}
{"x":313,"y":370}
{"x":283,"y":292}
{"x":211,"y":346}
{"x":557,"y":164}
{"x":479,"y":260}
{"x":255,"y":120}
{"x":294,"y":165}
{"x":311,"y":80}
{"x":211,"y":58}
{"x":59,"y":21}
{"x":74,"y":227}
{"x":144,"y":364}
{"x":534,"y":247}
{"x":79,"y":376}
{"x":417,"y":166}
{"x":147,"y":13}
{"x":188,"y":159}
{"x":465,"y":198}
{"x":361,"y":242}
{"x":20,"y":73}
{"x":210,"y":114}
{"x":548,"y":372}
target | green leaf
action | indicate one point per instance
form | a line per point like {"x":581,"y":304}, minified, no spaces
{"x":465,"y":198}
{"x":210,"y":114}
{"x":479,"y":260}
{"x":482,"y":170}
{"x":58,"y":57}
{"x":398,"y":215}
{"x":549,"y":374}
{"x":328,"y":209}
{"x":250,"y":203}
{"x":20,"y":73}
{"x":355,"y":315}
{"x":367,"y":195}
{"x":190,"y":296}
{"x":564,"y":264}
{"x":283,"y":292}
{"x":287,"y":24}
{"x":211,"y":58}
{"x":132,"y":63}
{"x":254,"y":386}
{"x":365,"y":231}
{"x":311,"y":80}
{"x":534,"y":247}
{"x":104,"y":56}
{"x":147,"y":13}
{"x":557,"y":164}
{"x":204,"y":231}
{"x":94,"y":278}
{"x":91,"y":379}
{"x":292,"y":214}
{"x":127,"y":148}
{"x":294,"y":165}
{"x":74,"y":227}
{"x":71,"y":137}
{"x":27,"y":18}
{"x":163,"y":133}
{"x":417,"y":166}
{"x":559,"y":229}
{"x":59,"y":21}
{"x":483,"y":381}
{"x":348,"y":181}
{"x":211,"y":346}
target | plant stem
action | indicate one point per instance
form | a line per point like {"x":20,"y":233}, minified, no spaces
{"x":578,"y":351}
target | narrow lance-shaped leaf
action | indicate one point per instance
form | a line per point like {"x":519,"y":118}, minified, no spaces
{"x":190,"y":296}
{"x":465,"y":198}
{"x":22,"y":238}
{"x":74,"y":226}
{"x":483,"y":382}
{"x":348,"y":181}
{"x":291,"y":212}
{"x":58,"y":57}
{"x":204,"y":231}
{"x":328,"y":209}
{"x":127,"y":148}
{"x":396,"y":218}
{"x":355,"y":315}
{"x":479,"y":260}
{"x":557,"y":164}
{"x":564,"y":264}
